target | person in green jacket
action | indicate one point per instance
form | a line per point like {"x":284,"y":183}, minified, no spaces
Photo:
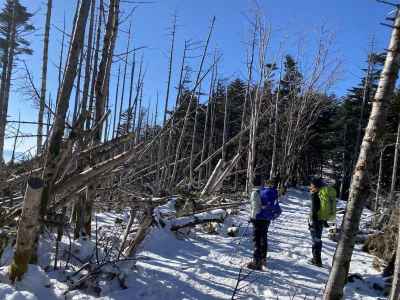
{"x":315,"y":224}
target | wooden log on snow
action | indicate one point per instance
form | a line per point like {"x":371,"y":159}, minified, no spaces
{"x":217,"y":215}
{"x":28,"y":229}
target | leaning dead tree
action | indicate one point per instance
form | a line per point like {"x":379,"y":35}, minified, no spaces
{"x":359,"y":186}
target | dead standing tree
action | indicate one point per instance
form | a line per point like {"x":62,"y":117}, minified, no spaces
{"x":359,"y":184}
{"x":256,"y":101}
{"x":103,"y":75}
{"x":44,"y":77}
{"x":188,"y":111}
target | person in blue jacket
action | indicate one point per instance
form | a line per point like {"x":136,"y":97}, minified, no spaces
{"x":264,"y":208}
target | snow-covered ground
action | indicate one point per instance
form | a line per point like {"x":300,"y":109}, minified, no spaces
{"x":198,"y":265}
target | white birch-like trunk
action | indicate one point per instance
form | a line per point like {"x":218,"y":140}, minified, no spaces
{"x":359,"y":186}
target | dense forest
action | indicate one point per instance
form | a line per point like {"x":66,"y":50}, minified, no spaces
{"x":100,"y":144}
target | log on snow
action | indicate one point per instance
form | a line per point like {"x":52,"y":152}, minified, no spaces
{"x":217,"y":215}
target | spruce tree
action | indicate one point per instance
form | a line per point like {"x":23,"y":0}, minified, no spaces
{"x":14,"y":27}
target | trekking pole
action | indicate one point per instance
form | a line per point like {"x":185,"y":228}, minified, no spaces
{"x":241,"y":239}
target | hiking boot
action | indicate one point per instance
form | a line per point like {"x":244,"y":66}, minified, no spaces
{"x":315,"y":262}
{"x":254,"y":266}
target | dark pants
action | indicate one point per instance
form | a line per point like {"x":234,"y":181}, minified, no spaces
{"x":316,"y":235}
{"x":260,"y":230}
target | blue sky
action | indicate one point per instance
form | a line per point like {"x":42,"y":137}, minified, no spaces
{"x":354,"y":22}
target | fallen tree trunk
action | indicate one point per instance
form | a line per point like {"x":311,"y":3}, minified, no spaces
{"x":217,"y":215}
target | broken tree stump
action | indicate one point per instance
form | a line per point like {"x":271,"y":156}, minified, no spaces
{"x":145,"y":225}
{"x":28,"y":228}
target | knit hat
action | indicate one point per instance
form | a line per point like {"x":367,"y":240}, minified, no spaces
{"x":317,"y":182}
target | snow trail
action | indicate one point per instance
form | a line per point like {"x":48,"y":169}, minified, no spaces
{"x":206,"y":266}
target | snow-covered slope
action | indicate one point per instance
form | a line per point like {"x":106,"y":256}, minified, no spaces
{"x":206,"y":266}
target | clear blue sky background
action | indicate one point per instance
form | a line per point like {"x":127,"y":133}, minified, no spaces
{"x":353,"y":21}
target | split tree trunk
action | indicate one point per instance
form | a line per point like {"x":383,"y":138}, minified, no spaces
{"x":28,"y":229}
{"x":359,"y":186}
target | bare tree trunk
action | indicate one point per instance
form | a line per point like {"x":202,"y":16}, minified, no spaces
{"x":103,"y":76}
{"x":186,"y":119}
{"x":247,"y":97}
{"x":116,"y":103}
{"x":54,"y":150}
{"x":171,"y":56}
{"x":378,"y":185}
{"x":44,"y":78}
{"x":206,"y":129}
{"x":395,"y":292}
{"x":15,"y":140}
{"x":77,"y":90}
{"x":28,"y":229}
{"x":256,"y":105}
{"x":95,"y":62}
{"x":395,"y":164}
{"x":166,"y":170}
{"x":130,"y":106}
{"x":140,"y":117}
{"x":123,"y":81}
{"x":193,"y":146}
{"x":359,"y":186}
{"x":86,"y":83}
{"x":342,"y":183}
{"x":276,"y":116}
{"x":49,"y":108}
{"x":224,"y":133}
{"x":211,"y":137}
{"x":137,"y":96}
{"x":60,"y":63}
{"x":366,"y":90}
{"x":213,"y":178}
